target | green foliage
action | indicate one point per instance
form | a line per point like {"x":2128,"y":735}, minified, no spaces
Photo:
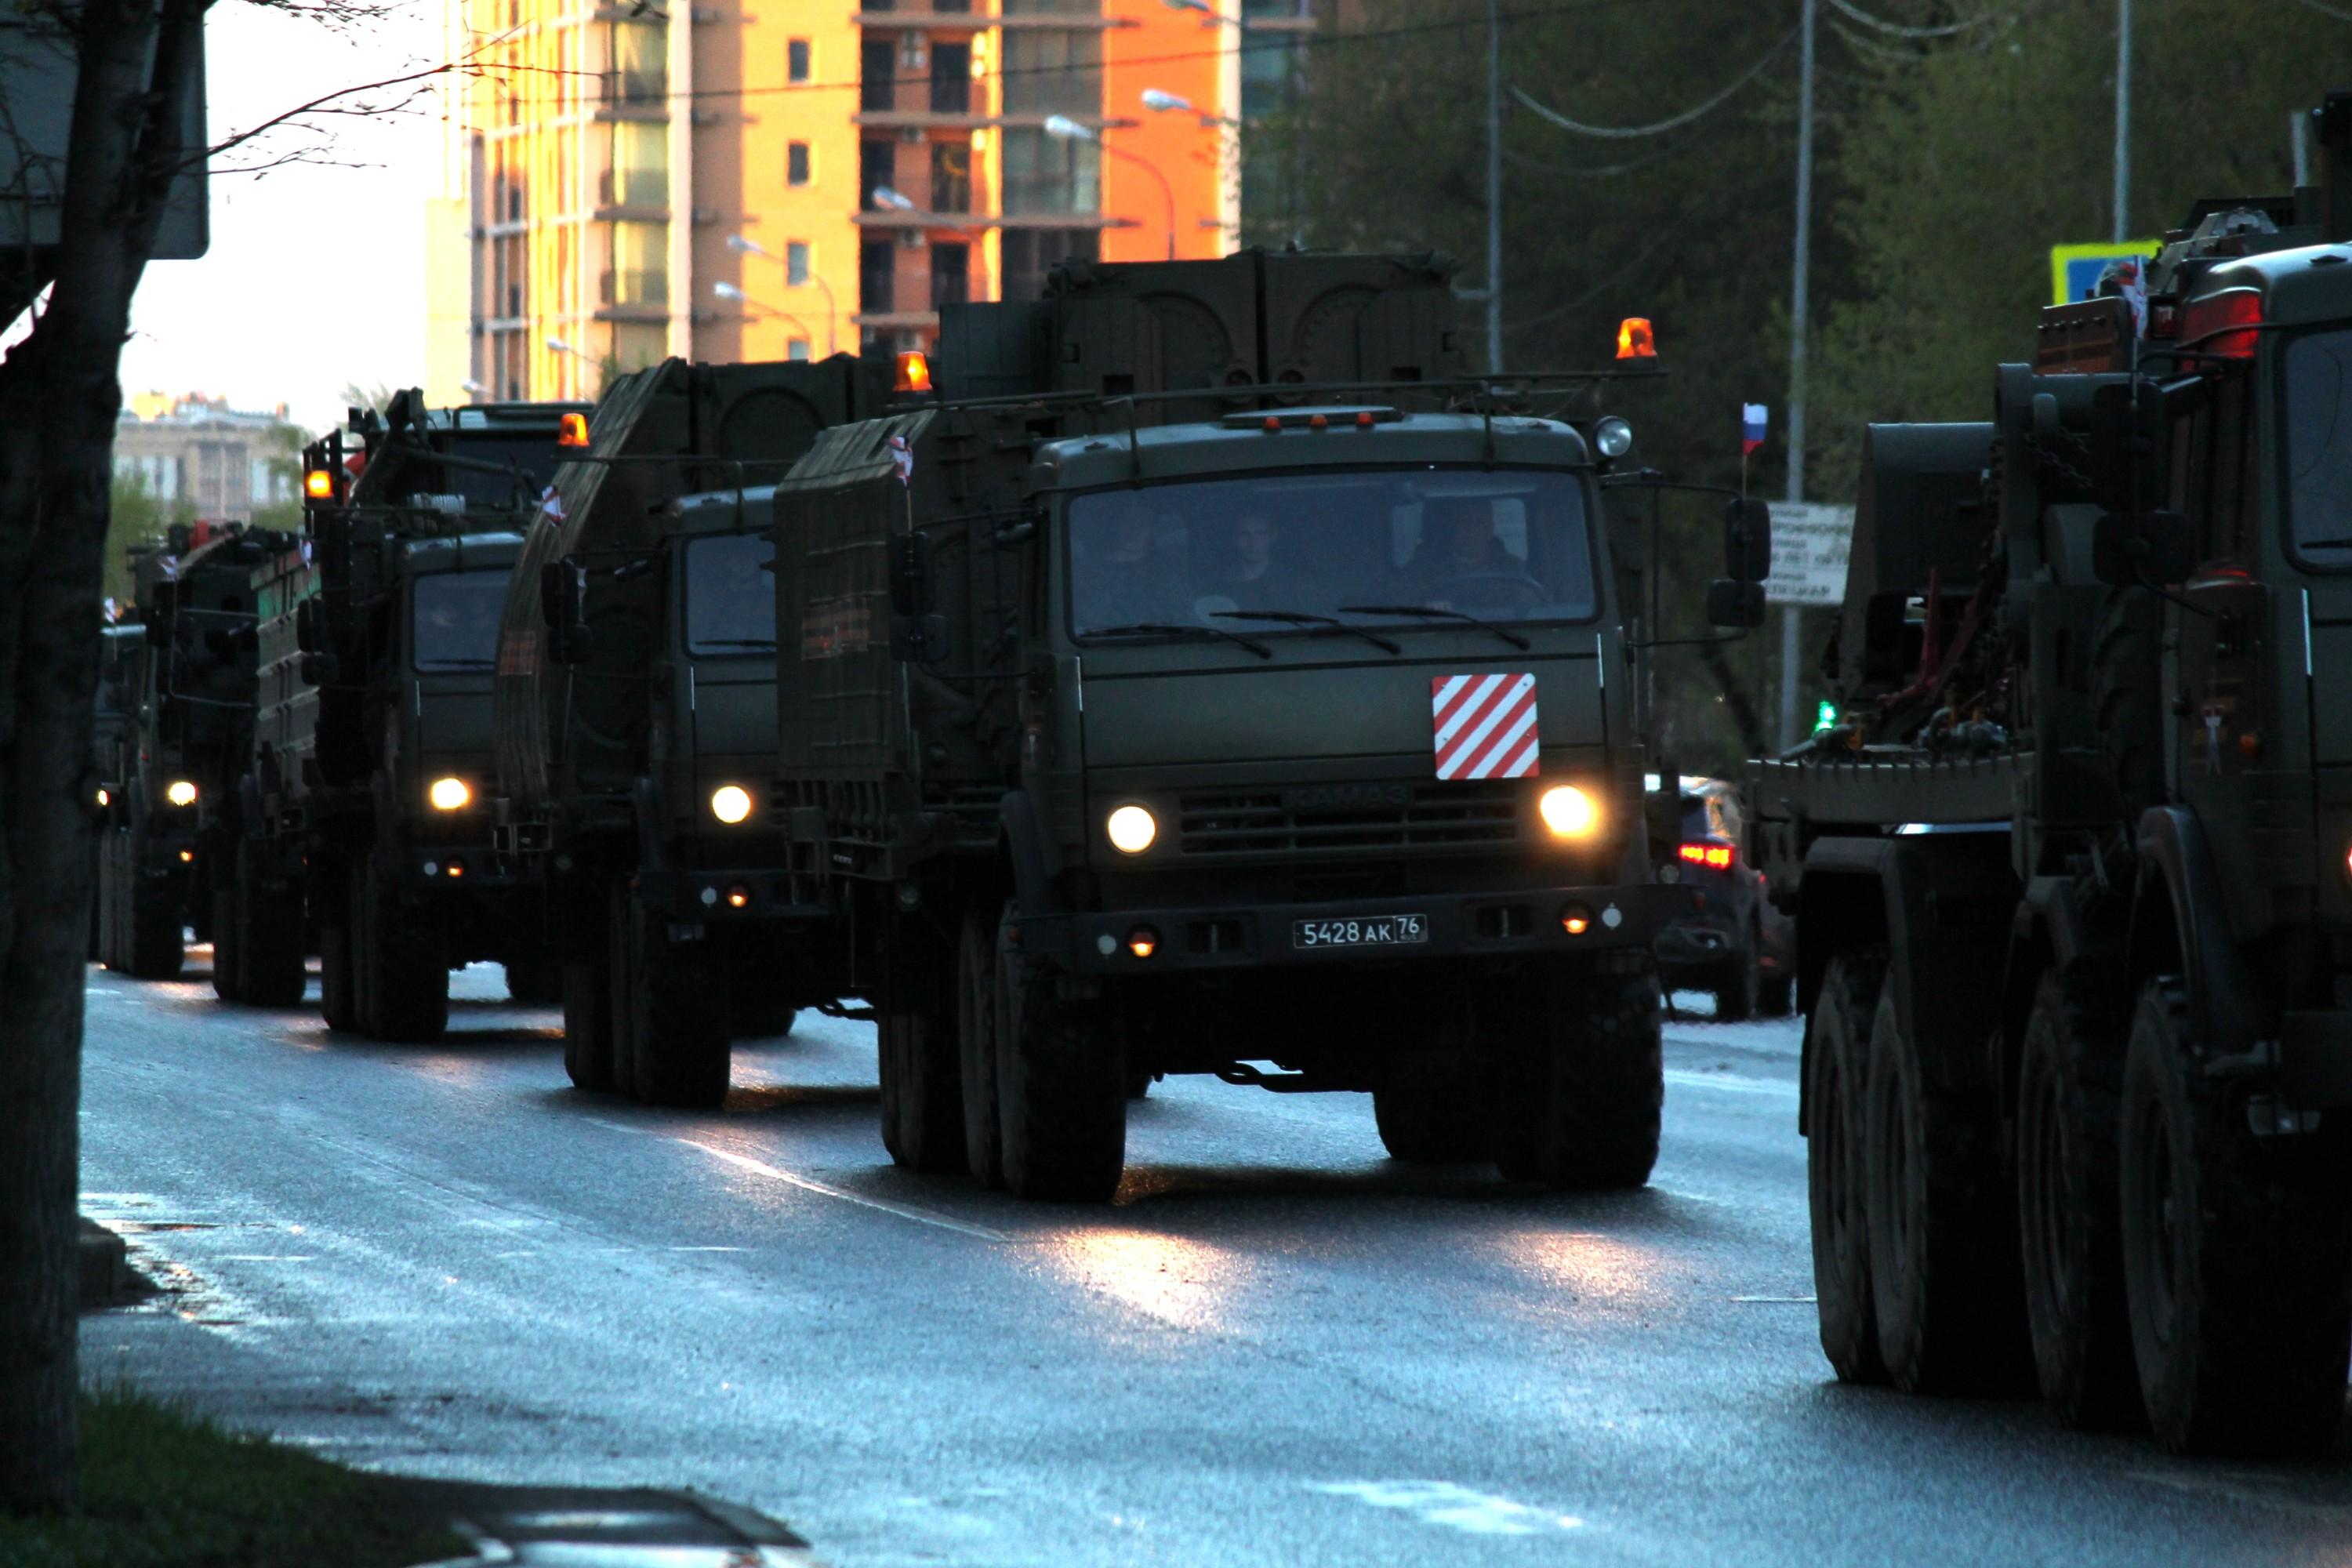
{"x":161,"y":1488}
{"x":136,"y":515}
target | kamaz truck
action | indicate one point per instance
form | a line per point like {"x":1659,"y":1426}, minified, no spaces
{"x":636,"y":722}
{"x":364,"y":798}
{"x":1204,"y":677}
{"x":181,"y":672}
{"x":2072,"y":873}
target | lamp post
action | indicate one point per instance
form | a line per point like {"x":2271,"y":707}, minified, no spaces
{"x":729,"y":291}
{"x":1063,"y":128}
{"x":1161,"y":102}
{"x":741,"y":246}
{"x":557,"y":346}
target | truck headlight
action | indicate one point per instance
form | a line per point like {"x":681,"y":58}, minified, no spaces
{"x":1567,"y":811}
{"x":180,"y":792}
{"x":1131,"y":829}
{"x":449,"y":794}
{"x":730,"y":803}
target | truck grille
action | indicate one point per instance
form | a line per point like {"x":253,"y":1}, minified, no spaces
{"x":1398,"y":816}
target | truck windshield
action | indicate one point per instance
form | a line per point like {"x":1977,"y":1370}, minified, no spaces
{"x":2319,"y":444}
{"x":456,"y":618}
{"x":731,"y":597}
{"x":1503,"y":545}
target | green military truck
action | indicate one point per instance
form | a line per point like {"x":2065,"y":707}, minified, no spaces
{"x":1209,"y":680}
{"x":2073,"y":875}
{"x":184,"y":683}
{"x":364,"y":798}
{"x":636,"y":707}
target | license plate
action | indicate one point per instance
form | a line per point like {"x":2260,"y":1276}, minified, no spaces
{"x":1374,"y":931}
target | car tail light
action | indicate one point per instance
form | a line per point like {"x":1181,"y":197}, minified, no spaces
{"x":1714,"y":857}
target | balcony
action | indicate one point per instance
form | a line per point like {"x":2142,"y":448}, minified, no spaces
{"x":634,"y":288}
{"x":645,"y":190}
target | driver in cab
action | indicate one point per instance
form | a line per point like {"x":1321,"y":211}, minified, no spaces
{"x":1457,"y":547}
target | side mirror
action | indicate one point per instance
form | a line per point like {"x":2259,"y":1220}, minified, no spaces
{"x":912,"y":590}
{"x":1735,"y":607}
{"x":2151,"y":547}
{"x":306,"y":626}
{"x":1746,"y":540}
{"x":2127,"y":456}
{"x":562,"y":588}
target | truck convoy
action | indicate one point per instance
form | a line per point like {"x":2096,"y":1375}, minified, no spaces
{"x":184,"y":682}
{"x":1205,"y":675}
{"x":363,"y":797}
{"x":2073,"y":875}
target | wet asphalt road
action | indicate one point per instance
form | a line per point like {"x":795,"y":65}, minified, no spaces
{"x":1276,"y":1348}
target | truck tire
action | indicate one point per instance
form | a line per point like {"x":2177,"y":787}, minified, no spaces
{"x":1943,"y":1229}
{"x":2069,"y":1110}
{"x":2127,"y":700}
{"x":923,"y":1088}
{"x":1434,"y":1111}
{"x":1583,"y":1076}
{"x":677,"y":1023}
{"x":403,"y":990}
{"x":984,"y":1143}
{"x":587,"y":1027}
{"x":147,"y":925}
{"x":1061,"y":1088}
{"x":1837,"y":1057}
{"x":338,"y":986}
{"x":262,"y":928}
{"x":228,"y":946}
{"x":2237,"y":1253}
{"x":621,"y":980}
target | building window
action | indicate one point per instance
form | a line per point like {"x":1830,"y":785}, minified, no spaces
{"x":639,"y":176}
{"x":640,"y":57}
{"x":950,"y":79}
{"x":876,"y":167}
{"x":796,"y":262}
{"x":1050,"y":71}
{"x":1028,"y":254}
{"x":797,"y":350}
{"x":638,"y":346}
{"x":952,"y":176}
{"x":796,"y":163}
{"x":796,"y":60}
{"x":1048,"y":175}
{"x":876,"y":263}
{"x":878,"y":76}
{"x":951,"y":273}
{"x":640,"y":271}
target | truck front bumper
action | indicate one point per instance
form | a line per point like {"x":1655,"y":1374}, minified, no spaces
{"x":1199,"y":938}
{"x":757,"y":893}
{"x":453,"y":868}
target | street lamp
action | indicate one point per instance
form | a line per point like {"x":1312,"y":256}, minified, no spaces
{"x":1161,"y":102}
{"x":1063,"y":128}
{"x":729,"y":291}
{"x":557,"y":345}
{"x":744,"y":247}
{"x":1205,"y":9}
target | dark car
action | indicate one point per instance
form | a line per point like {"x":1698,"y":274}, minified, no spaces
{"x":1736,"y":944}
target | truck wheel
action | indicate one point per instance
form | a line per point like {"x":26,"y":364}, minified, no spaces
{"x":620,"y":987}
{"x":403,"y":979}
{"x":678,"y":1021}
{"x":1837,"y":1057}
{"x":533,"y":982}
{"x":228,"y":946}
{"x":587,"y":1027}
{"x":922,"y":1087}
{"x":2237,"y":1253}
{"x":983,"y":1145}
{"x":336,"y":1002}
{"x":1432,"y":1111}
{"x":2069,"y":1108}
{"x":268,"y":926}
{"x":1583,"y":1077}
{"x":1943,"y":1237}
{"x":1736,"y":987}
{"x":1061,"y":1088}
{"x":149,"y":937}
{"x":2130,"y":704}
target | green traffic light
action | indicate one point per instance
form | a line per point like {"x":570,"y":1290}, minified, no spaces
{"x":1825,"y":717}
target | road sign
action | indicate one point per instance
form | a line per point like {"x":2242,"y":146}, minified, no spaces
{"x":1809,"y":544}
{"x":2075,"y":268}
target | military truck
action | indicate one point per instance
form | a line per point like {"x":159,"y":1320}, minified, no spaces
{"x":2070,"y":874}
{"x":184,"y":681}
{"x":1207,"y":678}
{"x":637,"y":716}
{"x":364,"y":797}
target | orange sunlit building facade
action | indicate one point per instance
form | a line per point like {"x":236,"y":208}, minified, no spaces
{"x":775,"y":179}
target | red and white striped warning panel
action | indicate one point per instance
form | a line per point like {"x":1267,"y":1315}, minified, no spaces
{"x":1485,"y":726}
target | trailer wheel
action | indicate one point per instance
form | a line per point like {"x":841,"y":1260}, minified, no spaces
{"x":1943,"y":1232}
{"x":1837,"y":1053}
{"x":2237,"y":1253}
{"x":228,"y":946}
{"x":1061,"y":1088}
{"x":404,"y":980}
{"x":1582,"y":1076}
{"x":2069,"y":1109}
{"x":677,"y":1025}
{"x":983,"y":1141}
{"x":1434,"y":1111}
{"x":145,"y":917}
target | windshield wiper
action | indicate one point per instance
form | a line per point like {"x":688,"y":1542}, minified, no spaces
{"x":2324,"y":544}
{"x":1321,"y":624}
{"x":1170,"y":630}
{"x":1430,"y":611}
{"x":430,"y":665}
{"x":734,"y":642}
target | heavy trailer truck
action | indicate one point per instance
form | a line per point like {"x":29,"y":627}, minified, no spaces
{"x":182,"y":671}
{"x":2073,"y":875}
{"x":1209,"y":679}
{"x":362,"y":821}
{"x":636,"y":715}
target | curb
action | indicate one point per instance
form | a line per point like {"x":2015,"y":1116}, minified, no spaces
{"x":105,"y":1262}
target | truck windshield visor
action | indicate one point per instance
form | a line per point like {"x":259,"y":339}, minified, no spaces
{"x":456,"y":618}
{"x":2318,"y":446}
{"x":731,"y":596}
{"x":1501,"y":546}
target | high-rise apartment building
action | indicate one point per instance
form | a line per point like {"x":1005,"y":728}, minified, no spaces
{"x":770,"y":179}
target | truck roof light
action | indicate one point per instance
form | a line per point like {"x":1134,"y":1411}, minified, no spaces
{"x":914,"y":372}
{"x":1635,"y":340}
{"x":1317,"y":422}
{"x":1364,"y":420}
{"x":319,"y":484}
{"x":2223,"y":323}
{"x":571,"y":430}
{"x":1273,"y":426}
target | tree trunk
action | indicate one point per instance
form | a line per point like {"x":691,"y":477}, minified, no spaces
{"x":58,"y":401}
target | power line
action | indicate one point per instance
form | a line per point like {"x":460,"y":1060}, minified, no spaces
{"x":1622,"y":132}
{"x":1897,"y":29}
{"x":2325,"y":10}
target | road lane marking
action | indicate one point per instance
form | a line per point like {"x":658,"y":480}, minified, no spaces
{"x":920,"y":1217}
{"x":1452,"y":1506}
{"x":1729,"y":1085}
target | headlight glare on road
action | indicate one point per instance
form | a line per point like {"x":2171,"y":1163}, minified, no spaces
{"x":1131,"y":829}
{"x":449,"y":794}
{"x":180,"y":792}
{"x":1567,"y":811}
{"x":730,"y":803}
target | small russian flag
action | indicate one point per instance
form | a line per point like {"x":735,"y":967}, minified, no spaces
{"x":1752,"y":417}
